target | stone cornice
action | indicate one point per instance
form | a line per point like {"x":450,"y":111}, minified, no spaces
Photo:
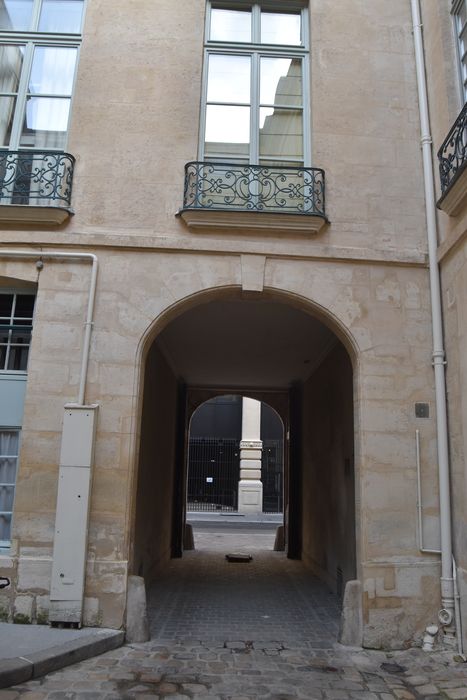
{"x":311,"y":250}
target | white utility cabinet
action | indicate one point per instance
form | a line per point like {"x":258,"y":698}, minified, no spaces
{"x":71,"y":519}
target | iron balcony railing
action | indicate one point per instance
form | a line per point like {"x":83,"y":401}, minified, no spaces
{"x":452,"y":155}
{"x":36,"y":178}
{"x":254,"y":188}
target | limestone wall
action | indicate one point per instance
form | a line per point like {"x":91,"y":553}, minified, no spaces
{"x":154,"y":496}
{"x":328,"y":471}
{"x":445,"y":104}
{"x":135,"y":124}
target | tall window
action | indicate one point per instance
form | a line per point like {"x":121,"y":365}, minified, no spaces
{"x":9,"y":446}
{"x":459,"y":11}
{"x":255,"y":90}
{"x":16,"y":314}
{"x":39,"y":41}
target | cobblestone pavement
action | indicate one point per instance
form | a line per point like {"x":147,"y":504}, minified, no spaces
{"x":265,"y":629}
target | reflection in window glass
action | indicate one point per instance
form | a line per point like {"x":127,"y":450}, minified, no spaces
{"x":229,"y":79}
{"x":46,"y":122}
{"x":7,"y":111}
{"x":11,"y":62}
{"x":53,"y":69}
{"x":281,"y":81}
{"x":15,"y":15}
{"x":230,"y":25}
{"x":61,"y":16}
{"x":278,"y":28}
{"x":227,"y":130}
{"x":281,"y":133}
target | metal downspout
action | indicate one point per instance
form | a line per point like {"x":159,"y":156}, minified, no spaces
{"x":44,"y":255}
{"x":446,"y":614}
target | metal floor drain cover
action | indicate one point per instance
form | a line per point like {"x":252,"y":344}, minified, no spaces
{"x":239,"y":558}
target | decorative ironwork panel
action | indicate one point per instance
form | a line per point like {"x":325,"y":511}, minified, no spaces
{"x":273,"y":189}
{"x":452,"y":155}
{"x":37,"y":178}
{"x":213,"y":474}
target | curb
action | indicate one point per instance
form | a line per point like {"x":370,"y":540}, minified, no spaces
{"x":25,"y":668}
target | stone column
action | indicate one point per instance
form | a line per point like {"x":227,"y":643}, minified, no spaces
{"x":250,"y":488}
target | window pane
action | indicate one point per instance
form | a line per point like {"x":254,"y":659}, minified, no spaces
{"x":281,"y":133}
{"x":52,"y":71}
{"x":229,"y":79}
{"x":62,"y":16}
{"x":6,"y":303}
{"x":227,"y":131}
{"x":9,"y":444}
{"x":6,"y":498}
{"x":230,"y":25}
{"x":11,"y":62}
{"x":24,"y":306}
{"x":281,"y":81}
{"x":15,"y":15}
{"x":19,"y":351}
{"x":5,"y":528}
{"x":8,"y":469}
{"x":278,"y":28}
{"x":461,"y":17}
{"x":7,"y":111}
{"x":46,"y":122}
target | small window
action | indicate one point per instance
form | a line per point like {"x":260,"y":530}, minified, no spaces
{"x":9,"y":448}
{"x":16,"y":314}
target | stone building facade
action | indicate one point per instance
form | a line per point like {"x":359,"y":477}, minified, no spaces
{"x":296,"y":274}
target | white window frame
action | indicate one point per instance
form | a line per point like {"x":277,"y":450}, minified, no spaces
{"x":256,"y":50}
{"x":461,"y":57}
{"x":16,"y":292}
{"x":30,"y":40}
{"x":5,"y":544}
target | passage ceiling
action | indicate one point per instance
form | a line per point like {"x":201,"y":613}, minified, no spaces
{"x":257,"y":344}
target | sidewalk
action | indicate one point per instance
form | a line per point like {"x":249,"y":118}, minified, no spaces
{"x":29,"y":651}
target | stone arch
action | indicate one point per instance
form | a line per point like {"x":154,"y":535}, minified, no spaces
{"x":310,"y":308}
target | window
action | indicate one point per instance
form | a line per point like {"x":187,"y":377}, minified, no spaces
{"x":255,"y":107}
{"x":39,"y":42}
{"x":459,"y":11}
{"x":9,"y":447}
{"x":16,"y":314}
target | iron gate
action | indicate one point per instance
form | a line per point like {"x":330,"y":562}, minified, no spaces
{"x":272,"y":476}
{"x":213,"y":474}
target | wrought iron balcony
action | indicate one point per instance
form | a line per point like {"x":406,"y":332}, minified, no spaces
{"x":35,"y":186}
{"x":452,"y":157}
{"x":230,"y":195}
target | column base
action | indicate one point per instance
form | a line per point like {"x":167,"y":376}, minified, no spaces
{"x":250,"y":497}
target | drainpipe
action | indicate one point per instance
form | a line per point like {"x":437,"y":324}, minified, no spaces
{"x":41,"y":255}
{"x":446,"y":614}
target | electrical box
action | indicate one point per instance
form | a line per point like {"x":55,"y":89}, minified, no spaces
{"x":71,"y":519}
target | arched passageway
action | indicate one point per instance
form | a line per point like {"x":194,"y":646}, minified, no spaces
{"x":217,"y":429}
{"x":272,"y":351}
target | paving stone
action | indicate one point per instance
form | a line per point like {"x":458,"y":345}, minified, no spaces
{"x":457,"y":693}
{"x":268,"y":635}
{"x":429,"y":689}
